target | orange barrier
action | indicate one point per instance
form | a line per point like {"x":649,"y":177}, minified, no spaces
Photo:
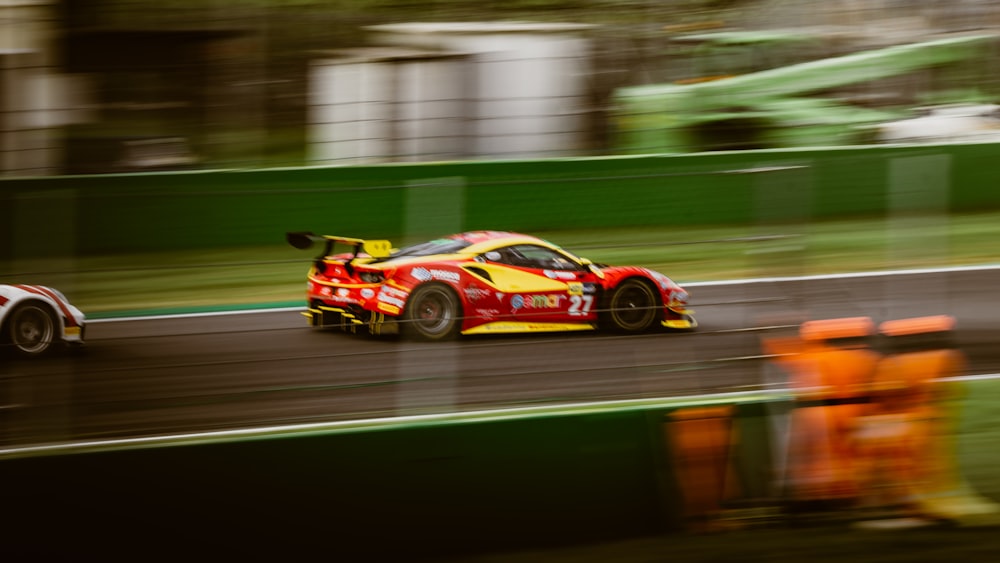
{"x":906,"y":437}
{"x":830,"y":387}
{"x":701,"y":439}
{"x":872,"y":429}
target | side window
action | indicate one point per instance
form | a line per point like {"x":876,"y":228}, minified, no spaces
{"x":529,"y":256}
{"x":503,"y":256}
{"x":544,"y":258}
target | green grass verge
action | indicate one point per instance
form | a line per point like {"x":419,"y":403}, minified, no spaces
{"x":249,"y":276}
{"x":978,"y":434}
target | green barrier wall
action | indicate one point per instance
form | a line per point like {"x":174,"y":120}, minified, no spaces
{"x":117,"y":213}
{"x":392,"y":492}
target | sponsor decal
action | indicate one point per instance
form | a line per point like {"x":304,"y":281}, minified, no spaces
{"x":486,"y":313}
{"x":551,"y":301}
{"x":664,"y":281}
{"x":574,"y":288}
{"x":343,"y":292}
{"x":423,"y":274}
{"x":393,"y":292}
{"x":367,"y":293}
{"x":560,"y":274}
{"x":499,"y":296}
{"x":474,"y":293}
{"x":446,"y":275}
{"x":392,"y":297}
{"x":386,"y":298}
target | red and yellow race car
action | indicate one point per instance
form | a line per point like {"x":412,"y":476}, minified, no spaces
{"x":481,"y":282}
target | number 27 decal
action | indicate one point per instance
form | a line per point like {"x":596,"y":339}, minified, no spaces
{"x":580,"y":305}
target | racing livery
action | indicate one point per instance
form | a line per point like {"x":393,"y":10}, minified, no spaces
{"x":33,"y":318}
{"x":481,"y":282}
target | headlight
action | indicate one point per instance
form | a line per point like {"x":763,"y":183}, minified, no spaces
{"x":371,"y":277}
{"x":678,"y":297}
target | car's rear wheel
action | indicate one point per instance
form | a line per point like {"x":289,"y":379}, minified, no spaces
{"x":632,"y":307}
{"x":31,"y":329}
{"x":433,"y":312}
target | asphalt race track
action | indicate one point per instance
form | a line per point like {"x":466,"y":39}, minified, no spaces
{"x":155,"y":376}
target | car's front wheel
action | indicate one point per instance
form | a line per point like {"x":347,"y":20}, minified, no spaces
{"x":632,"y":307}
{"x":433,"y":312}
{"x":30,"y":329}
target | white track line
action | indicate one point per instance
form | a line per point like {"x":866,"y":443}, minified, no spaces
{"x":195,"y":315}
{"x":452,"y":417}
{"x":849,"y":275}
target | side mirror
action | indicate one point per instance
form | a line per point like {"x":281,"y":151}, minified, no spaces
{"x":594,"y":269}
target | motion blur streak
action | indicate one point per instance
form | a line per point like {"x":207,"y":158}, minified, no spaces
{"x":170,"y":375}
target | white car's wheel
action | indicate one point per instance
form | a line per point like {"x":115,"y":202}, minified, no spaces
{"x":31,"y":329}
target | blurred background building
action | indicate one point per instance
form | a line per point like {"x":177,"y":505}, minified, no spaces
{"x":32,"y":105}
{"x":97,"y":86}
{"x":444,"y":91}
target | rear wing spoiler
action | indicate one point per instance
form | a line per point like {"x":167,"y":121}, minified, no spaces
{"x":305,"y":239}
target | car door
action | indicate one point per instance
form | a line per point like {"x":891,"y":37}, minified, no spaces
{"x":544,"y":285}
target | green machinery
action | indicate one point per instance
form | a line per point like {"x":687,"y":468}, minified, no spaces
{"x":795,"y":105}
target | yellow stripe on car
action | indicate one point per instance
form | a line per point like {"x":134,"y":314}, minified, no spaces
{"x":515,"y":326}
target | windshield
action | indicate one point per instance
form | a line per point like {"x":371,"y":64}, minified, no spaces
{"x":436,"y":246}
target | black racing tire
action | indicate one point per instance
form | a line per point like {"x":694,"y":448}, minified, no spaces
{"x":433,"y":312}
{"x":632,"y":306}
{"x":30,"y":329}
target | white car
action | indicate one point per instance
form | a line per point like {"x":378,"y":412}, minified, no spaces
{"x":34,"y":319}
